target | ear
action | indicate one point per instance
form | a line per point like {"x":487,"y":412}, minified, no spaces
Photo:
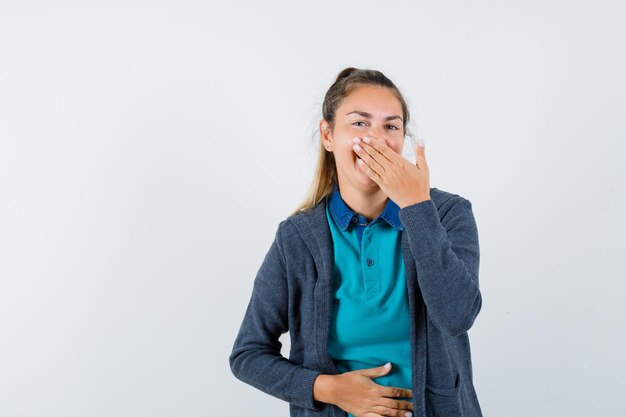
{"x":326,"y":135}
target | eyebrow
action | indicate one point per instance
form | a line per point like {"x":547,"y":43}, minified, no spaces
{"x":364,"y":114}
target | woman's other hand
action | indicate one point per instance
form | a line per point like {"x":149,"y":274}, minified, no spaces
{"x":356,"y":393}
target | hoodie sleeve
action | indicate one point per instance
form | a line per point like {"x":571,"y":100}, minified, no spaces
{"x":446,"y":254}
{"x":256,"y":358}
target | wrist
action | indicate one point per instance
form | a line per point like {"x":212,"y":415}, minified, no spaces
{"x":416,"y":200}
{"x":323,"y":388}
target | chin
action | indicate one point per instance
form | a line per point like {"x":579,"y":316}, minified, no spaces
{"x":363,"y":179}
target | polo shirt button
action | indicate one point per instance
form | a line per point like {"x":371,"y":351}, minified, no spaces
{"x":370,"y":262}
{"x":354,"y":220}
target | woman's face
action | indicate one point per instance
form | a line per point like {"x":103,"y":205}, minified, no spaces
{"x":371,"y":111}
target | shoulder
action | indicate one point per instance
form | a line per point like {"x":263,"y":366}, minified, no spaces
{"x":445,"y":198}
{"x":298,"y":226}
{"x":450,"y":204}
{"x":305,"y":227}
{"x":299,"y":237}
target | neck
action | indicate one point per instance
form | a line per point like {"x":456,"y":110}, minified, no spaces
{"x":369,"y":202}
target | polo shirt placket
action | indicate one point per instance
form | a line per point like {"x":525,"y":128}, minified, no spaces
{"x":370,"y":316}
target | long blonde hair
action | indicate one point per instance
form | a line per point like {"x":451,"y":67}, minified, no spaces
{"x":325,"y":176}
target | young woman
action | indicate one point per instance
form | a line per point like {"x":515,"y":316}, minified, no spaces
{"x":375,"y":276}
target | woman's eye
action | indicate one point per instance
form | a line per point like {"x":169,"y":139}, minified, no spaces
{"x":392,"y":127}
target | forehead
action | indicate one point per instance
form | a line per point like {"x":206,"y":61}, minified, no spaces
{"x":372,"y":99}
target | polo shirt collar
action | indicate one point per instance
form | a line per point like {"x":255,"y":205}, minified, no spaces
{"x":343,"y":215}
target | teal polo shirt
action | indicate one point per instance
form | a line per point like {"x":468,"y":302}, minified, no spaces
{"x":370,"y":316}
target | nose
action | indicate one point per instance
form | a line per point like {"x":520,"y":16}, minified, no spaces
{"x":377,"y":132}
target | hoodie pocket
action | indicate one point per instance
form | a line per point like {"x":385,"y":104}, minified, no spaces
{"x":444,"y":402}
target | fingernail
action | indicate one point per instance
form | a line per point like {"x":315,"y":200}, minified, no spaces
{"x":408,"y":414}
{"x":356,"y":139}
{"x":420,"y":142}
{"x":366,"y":139}
{"x":388,"y":364}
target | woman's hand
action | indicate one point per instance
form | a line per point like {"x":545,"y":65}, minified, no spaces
{"x":356,"y":393}
{"x":403,"y":182}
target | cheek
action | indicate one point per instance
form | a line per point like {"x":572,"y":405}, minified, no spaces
{"x":345,"y":144}
{"x":345,"y":152}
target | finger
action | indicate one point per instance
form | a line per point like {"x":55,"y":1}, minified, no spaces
{"x":371,"y":157}
{"x":380,"y":147}
{"x":395,"y":392}
{"x":397,"y":404}
{"x":384,"y":411}
{"x":420,"y":153}
{"x":366,"y":164}
{"x":376,"y":371}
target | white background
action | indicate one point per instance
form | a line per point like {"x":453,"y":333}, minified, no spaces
{"x":149,"y":149}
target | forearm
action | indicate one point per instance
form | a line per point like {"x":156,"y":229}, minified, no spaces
{"x":274,"y":374}
{"x":446,"y":259}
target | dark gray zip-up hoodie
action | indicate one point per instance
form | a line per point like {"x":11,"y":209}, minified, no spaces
{"x":293,"y":289}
